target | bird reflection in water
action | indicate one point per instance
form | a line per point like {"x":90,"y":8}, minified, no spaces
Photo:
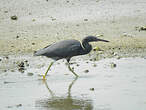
{"x":64,"y":103}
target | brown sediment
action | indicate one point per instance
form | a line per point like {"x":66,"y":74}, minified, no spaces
{"x":23,"y":46}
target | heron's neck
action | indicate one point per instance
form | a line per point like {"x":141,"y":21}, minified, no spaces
{"x":86,"y":47}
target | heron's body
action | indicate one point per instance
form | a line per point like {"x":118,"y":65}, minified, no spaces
{"x":63,"y":49}
{"x":67,"y":49}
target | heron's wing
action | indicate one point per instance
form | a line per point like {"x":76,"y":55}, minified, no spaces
{"x":72,"y":50}
{"x":62,"y":49}
{"x":67,"y":48}
{"x":75,"y":48}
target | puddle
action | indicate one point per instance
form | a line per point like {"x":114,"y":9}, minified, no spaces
{"x":101,"y":88}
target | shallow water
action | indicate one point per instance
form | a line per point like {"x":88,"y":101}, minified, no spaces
{"x":102,"y":88}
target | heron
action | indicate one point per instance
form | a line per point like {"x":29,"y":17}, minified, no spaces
{"x":67,"y":49}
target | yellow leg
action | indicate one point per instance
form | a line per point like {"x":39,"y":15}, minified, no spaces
{"x":44,"y":76}
{"x":72,"y":70}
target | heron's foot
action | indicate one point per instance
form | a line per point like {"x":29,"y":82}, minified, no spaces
{"x":44,"y":77}
{"x":72,"y":71}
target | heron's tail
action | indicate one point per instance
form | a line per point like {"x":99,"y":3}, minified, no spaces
{"x":35,"y":53}
{"x":38,"y":53}
{"x":41,"y":52}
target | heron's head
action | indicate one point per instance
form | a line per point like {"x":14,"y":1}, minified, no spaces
{"x":93,"y":39}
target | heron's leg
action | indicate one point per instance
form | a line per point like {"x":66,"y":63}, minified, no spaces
{"x":44,"y":76}
{"x":72,"y":70}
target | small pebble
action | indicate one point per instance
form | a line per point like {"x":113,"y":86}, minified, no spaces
{"x":87,"y":62}
{"x":12,"y":70}
{"x":94,"y":59}
{"x":19,"y":105}
{"x":66,"y":74}
{"x":94,"y":65}
{"x":4,"y":70}
{"x":33,"y":43}
{"x":5,"y":11}
{"x":14,"y":17}
{"x":91,"y":89}
{"x":91,"y":59}
{"x":115,"y":53}
{"x":21,"y":64}
{"x":17,"y":36}
{"x":7,"y":57}
{"x":77,"y":65}
{"x":7,"y":82}
{"x":30,"y":74}
{"x":85,"y":19}
{"x":77,"y":25}
{"x":72,"y":68}
{"x":143,"y":28}
{"x":26,"y":61}
{"x":118,"y":57}
{"x":113,"y":65}
{"x":21,"y":70}
{"x":30,"y":13}
{"x":86,"y":71}
{"x":9,"y":106}
{"x":53,"y":19}
{"x":21,"y":67}
{"x":33,"y":20}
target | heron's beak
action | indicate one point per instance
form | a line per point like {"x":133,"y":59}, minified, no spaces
{"x":102,"y":40}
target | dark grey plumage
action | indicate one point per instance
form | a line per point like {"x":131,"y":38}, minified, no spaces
{"x":63,"y":49}
{"x":68,"y":48}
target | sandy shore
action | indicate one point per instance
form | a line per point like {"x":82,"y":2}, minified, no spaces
{"x":40,"y":23}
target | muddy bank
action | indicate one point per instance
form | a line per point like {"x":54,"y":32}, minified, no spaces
{"x":38,"y":36}
{"x":25,"y":29}
{"x":117,"y":47}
